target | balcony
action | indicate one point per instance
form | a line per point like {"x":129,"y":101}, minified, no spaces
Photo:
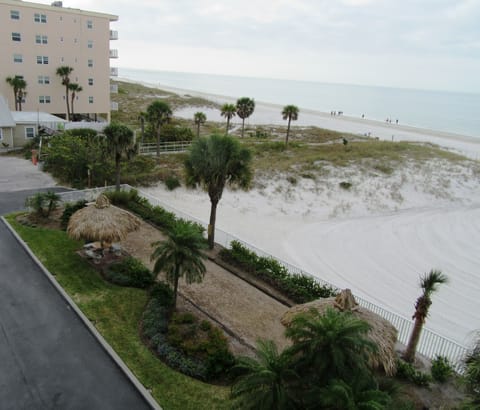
{"x":113,"y":72}
{"x":113,"y":88}
{"x":113,"y":35}
{"x":113,"y":106}
{"x":113,"y":53}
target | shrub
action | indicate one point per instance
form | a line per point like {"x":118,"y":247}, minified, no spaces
{"x":163,"y":293}
{"x":130,"y":272}
{"x":172,"y":182}
{"x":406,"y":371}
{"x":69,"y":210}
{"x":155,"y":320}
{"x":441,"y":369}
{"x":299,"y":288}
{"x":43,"y":203}
{"x":345,"y":185}
{"x":292,"y":180}
{"x":472,"y":375}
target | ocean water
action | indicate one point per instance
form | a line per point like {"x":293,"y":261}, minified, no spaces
{"x":454,"y":112}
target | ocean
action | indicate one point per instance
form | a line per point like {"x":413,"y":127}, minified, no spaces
{"x":454,"y":112}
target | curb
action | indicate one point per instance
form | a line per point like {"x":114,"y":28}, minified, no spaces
{"x":103,"y":343}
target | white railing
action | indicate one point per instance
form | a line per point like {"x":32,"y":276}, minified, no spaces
{"x":113,"y":35}
{"x":150,"y":148}
{"x":113,"y":53}
{"x":114,"y":88}
{"x":113,"y":71}
{"x":431,"y":344}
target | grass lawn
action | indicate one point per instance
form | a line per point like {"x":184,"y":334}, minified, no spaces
{"x":116,"y":311}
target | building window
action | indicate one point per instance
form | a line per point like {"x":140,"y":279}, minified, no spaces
{"x":90,"y":81}
{"x":29,"y":132}
{"x":42,"y":60}
{"x":89,"y":24}
{"x":90,"y":44}
{"x":90,"y":63}
{"x":14,"y":14}
{"x":40,"y":18}
{"x":90,"y":100}
{"x":44,"y":99}
{"x":1,"y":134}
{"x":17,"y":58}
{"x":43,"y":79}
{"x":41,"y":39}
{"x":16,"y":37}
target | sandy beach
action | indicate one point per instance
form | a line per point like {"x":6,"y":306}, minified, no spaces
{"x":378,"y":237}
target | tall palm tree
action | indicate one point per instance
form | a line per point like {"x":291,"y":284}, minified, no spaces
{"x":74,"y":88}
{"x":245,"y":108}
{"x":199,"y":118}
{"x":64,"y":72}
{"x":328,"y":346}
{"x":290,"y":113}
{"x":228,"y":111}
{"x":181,"y":254}
{"x":158,"y":114}
{"x":214,"y":162}
{"x":19,"y":85}
{"x":429,"y":284}
{"x":120,"y":143}
{"x":264,"y":384}
{"x":142,"y":117}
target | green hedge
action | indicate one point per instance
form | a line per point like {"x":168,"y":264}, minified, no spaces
{"x":299,"y":288}
{"x":130,"y":272}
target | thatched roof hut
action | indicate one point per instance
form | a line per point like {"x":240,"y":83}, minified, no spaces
{"x":102,"y":222}
{"x":382,"y":332}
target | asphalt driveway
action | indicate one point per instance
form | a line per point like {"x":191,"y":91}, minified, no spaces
{"x":48,"y":358}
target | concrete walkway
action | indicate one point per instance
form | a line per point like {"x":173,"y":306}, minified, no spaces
{"x":49,"y":359}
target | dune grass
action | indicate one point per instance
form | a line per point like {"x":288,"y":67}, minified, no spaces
{"x":116,"y":312}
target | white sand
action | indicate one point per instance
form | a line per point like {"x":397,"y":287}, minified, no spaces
{"x":376,"y":238}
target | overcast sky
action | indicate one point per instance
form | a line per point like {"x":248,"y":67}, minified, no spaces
{"x":432,"y":44}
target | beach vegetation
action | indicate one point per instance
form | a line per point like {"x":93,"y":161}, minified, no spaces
{"x":64,"y":72}
{"x":245,"y":108}
{"x":19,"y":85}
{"x":43,"y":203}
{"x":441,"y":369}
{"x":289,"y":113}
{"x":429,"y":284}
{"x":199,"y":118}
{"x":158,"y":114}
{"x":172,"y":182}
{"x":120,"y":143}
{"x":180,"y":255}
{"x":228,"y":111}
{"x":213,"y":163}
{"x":345,"y":185}
{"x":407,"y":371}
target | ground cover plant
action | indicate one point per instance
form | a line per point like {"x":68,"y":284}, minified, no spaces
{"x":299,"y":288}
{"x":116,"y":312}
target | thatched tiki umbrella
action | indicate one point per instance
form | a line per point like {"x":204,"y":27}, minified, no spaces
{"x":382,"y":332}
{"x":102,"y":222}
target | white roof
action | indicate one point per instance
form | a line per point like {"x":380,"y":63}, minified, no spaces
{"x":31,"y":117}
{"x":6,"y":118}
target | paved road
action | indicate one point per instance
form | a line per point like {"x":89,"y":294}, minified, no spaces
{"x":48,"y":358}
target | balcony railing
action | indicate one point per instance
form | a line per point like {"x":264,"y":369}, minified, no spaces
{"x":113,"y":71}
{"x":113,"y":106}
{"x":114,"y":88}
{"x":113,"y":35}
{"x":113,"y":53}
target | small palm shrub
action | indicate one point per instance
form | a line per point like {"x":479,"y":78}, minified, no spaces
{"x":69,"y":210}
{"x":130,"y":272}
{"x":406,"y":371}
{"x":43,"y":203}
{"x":441,"y":369}
{"x":172,"y":182}
{"x":345,"y":185}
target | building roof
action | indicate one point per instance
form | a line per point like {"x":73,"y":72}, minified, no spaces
{"x":6,"y":118}
{"x":30,"y":117}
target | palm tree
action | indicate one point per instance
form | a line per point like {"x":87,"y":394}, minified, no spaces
{"x":290,"y":113}
{"x":19,"y":85}
{"x":245,"y":108}
{"x":142,"y":116}
{"x":214,"y":162}
{"x":328,"y":346}
{"x":228,"y":111}
{"x":429,"y":284}
{"x":181,"y":254}
{"x":199,"y":118}
{"x":120,"y":143}
{"x":74,"y":88}
{"x":158,"y":113}
{"x":264,"y":383}
{"x":64,"y":72}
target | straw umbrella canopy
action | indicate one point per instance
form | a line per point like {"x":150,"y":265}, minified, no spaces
{"x":102,"y":222}
{"x":382,"y":332}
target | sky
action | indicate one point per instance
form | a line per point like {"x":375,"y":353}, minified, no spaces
{"x":428,"y":44}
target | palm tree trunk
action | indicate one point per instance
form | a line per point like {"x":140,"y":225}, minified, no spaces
{"x":211,"y":225}
{"x":68,"y":103}
{"x":158,"y":142}
{"x":73,"y":98}
{"x":288,"y":130}
{"x":409,"y":355}
{"x":228,"y":123}
{"x":243,"y":125}
{"x":175,"y":287}
{"x":198,"y":130}
{"x":20,"y":102}
{"x":15,"y":96}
